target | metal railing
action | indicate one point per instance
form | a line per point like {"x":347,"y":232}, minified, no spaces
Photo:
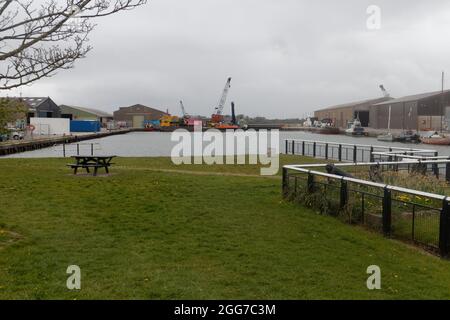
{"x":412,"y":215}
{"x":348,"y":152}
{"x":79,"y":148}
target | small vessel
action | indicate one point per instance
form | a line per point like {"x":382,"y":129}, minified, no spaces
{"x":408,"y":137}
{"x":149,"y":127}
{"x":226,"y":126}
{"x":355,"y":128}
{"x":436,"y":139}
{"x":328,"y":130}
{"x":388,"y":137}
{"x":327,"y":127}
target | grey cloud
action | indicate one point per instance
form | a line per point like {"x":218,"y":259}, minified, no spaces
{"x":286,"y":57}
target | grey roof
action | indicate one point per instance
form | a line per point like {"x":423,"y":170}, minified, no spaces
{"x":356,"y":103}
{"x":32,"y":102}
{"x":96,"y":112}
{"x":415,"y":97}
{"x":138,"y":105}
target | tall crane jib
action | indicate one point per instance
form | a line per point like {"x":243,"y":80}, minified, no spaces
{"x":223,"y":99}
{"x":385,"y":92}
{"x":183,"y":111}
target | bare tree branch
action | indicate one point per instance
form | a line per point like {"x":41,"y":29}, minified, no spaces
{"x":39,"y":37}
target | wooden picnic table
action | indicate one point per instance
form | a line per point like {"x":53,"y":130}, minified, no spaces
{"x":94,"y":162}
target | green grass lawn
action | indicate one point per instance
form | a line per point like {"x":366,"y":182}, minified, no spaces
{"x":205,"y":232}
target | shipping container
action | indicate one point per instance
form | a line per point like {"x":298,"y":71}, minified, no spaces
{"x":84,"y":126}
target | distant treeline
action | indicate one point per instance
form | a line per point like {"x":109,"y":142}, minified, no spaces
{"x":257,"y":120}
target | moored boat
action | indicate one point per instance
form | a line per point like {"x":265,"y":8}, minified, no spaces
{"x":227,"y":126}
{"x":328,"y":130}
{"x":388,"y":137}
{"x":355,"y":129}
{"x":408,"y":137}
{"x":436,"y":139}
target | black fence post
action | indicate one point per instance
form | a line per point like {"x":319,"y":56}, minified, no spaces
{"x":343,"y":194}
{"x":326,"y":151}
{"x":355,"y":153}
{"x":78,"y":149}
{"x":310,"y":187}
{"x":303,"y":148}
{"x":340,"y":152}
{"x":286,"y":146}
{"x":387,"y":211}
{"x":92,"y":149}
{"x":443,"y":228}
{"x":371,"y":154}
{"x":293,"y":147}
{"x":447,"y":172}
{"x":314,"y":149}
{"x":284,"y":184}
{"x":390,"y":157}
{"x":435,"y":166}
{"x":64,"y":149}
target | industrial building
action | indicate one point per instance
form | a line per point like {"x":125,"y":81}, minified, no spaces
{"x":40,"y":107}
{"x":135,"y":115}
{"x":342,"y":114}
{"x":426,"y":111}
{"x":81,"y":113}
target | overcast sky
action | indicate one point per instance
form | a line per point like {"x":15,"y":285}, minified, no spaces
{"x":286,"y":57}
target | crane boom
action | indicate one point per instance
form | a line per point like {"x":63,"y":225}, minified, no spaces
{"x":385,"y":93}
{"x":182,"y":109}
{"x":223,"y":99}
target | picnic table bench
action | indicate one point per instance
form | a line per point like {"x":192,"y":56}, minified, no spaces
{"x":95,"y":162}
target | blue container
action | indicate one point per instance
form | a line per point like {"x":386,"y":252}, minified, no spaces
{"x":84,"y":126}
{"x":154,"y":123}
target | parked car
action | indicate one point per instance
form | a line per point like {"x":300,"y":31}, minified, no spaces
{"x":3,"y":137}
{"x":16,"y":135}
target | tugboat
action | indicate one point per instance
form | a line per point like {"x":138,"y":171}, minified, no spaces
{"x":355,"y":129}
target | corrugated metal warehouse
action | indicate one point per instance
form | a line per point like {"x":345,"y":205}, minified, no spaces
{"x":81,"y":113}
{"x":344,"y":113}
{"x":418,"y":112}
{"x":135,"y":115}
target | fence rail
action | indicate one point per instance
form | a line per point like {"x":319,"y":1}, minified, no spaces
{"x":79,"y":148}
{"x":412,"y":215}
{"x":351,"y":152}
{"x":354,"y":153}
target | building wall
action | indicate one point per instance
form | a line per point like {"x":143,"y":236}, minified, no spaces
{"x":423,"y":114}
{"x":432,"y":123}
{"x":433,"y":106}
{"x":403,"y":116}
{"x":128,"y":113}
{"x":50,"y":126}
{"x":46,"y":108}
{"x":342,"y":115}
{"x":339,"y":116}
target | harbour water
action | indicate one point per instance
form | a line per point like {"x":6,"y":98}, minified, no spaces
{"x":159,"y":144}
